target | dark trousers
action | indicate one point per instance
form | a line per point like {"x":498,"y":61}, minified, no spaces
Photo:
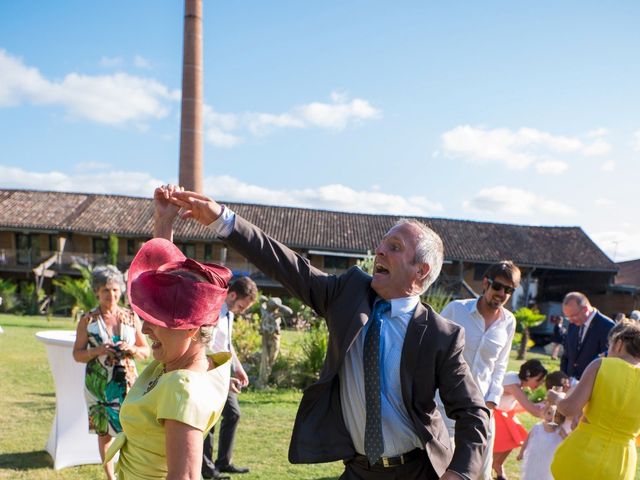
{"x":418,"y":469}
{"x":228,"y":426}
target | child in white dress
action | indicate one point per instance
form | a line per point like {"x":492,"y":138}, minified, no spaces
{"x":541,"y":444}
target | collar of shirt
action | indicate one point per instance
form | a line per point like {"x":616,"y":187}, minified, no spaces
{"x":588,"y":322}
{"x":403,"y":306}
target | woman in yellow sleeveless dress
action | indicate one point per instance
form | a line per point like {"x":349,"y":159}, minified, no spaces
{"x":603,"y":445}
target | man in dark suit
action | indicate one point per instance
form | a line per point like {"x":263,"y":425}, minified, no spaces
{"x":587,"y":337}
{"x":373,"y":405}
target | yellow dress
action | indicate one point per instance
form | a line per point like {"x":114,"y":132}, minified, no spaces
{"x":604,"y":448}
{"x":193,"y":398}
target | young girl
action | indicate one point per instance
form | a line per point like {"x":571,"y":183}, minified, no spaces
{"x":539,"y":448}
{"x":510,"y":433}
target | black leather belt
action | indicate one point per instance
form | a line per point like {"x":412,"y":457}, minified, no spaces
{"x":394,"y":461}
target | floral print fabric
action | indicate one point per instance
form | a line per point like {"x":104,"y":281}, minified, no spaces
{"x":108,"y":378}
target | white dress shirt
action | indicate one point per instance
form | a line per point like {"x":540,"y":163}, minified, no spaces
{"x":486,"y":350}
{"x":398,"y":431}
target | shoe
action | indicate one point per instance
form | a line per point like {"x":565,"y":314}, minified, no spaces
{"x":217,"y":476}
{"x":231,"y":468}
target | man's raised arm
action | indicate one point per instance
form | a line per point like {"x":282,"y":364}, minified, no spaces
{"x":194,"y":205}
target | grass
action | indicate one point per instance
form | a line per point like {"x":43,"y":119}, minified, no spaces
{"x":27,"y":404}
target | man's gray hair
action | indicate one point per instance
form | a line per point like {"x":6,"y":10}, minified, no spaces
{"x":103,"y":274}
{"x":578,"y":297}
{"x":429,"y":250}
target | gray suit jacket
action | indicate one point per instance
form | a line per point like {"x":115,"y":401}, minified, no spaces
{"x":431,"y":359}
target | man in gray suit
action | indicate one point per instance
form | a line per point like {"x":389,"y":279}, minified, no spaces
{"x":373,"y":406}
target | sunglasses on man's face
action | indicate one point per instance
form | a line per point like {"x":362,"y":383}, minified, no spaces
{"x":497,"y":286}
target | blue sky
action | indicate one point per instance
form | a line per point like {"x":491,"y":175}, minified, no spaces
{"x":493,"y":111}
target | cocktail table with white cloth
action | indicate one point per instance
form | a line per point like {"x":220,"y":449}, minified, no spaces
{"x":70,"y":442}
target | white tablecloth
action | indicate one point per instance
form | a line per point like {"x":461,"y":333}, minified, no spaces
{"x":70,"y":442}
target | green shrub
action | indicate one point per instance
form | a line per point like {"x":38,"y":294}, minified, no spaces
{"x":438,"y":298}
{"x":247,"y":341}
{"x":8,"y":293}
{"x":30,"y":299}
{"x":314,"y":349}
{"x":76,"y":293}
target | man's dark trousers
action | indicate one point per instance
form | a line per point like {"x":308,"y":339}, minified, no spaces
{"x":228,"y":426}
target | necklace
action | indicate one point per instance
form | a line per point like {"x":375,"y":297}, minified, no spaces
{"x":154,"y":382}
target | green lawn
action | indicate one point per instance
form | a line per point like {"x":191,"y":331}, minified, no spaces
{"x":27,"y":403}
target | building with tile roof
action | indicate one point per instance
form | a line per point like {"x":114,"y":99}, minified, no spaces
{"x":36,"y":225}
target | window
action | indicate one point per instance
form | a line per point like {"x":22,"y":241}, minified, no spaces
{"x":131,"y":247}
{"x":101,"y":246}
{"x":338,"y":263}
{"x":27,"y":248}
{"x":208,"y":252}
{"x":189,"y":249}
{"x":53,"y":243}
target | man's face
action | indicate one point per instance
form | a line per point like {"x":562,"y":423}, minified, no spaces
{"x":575,"y":313}
{"x":497,"y":291}
{"x":238,"y":305}
{"x":395,"y":274}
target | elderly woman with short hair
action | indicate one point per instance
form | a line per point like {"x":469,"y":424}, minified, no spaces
{"x":108,"y":339}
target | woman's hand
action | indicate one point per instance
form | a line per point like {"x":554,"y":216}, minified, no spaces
{"x":165,"y":212}
{"x":554,"y":397}
{"x":126,"y":348}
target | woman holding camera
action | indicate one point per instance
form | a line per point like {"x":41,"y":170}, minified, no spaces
{"x":108,"y":339}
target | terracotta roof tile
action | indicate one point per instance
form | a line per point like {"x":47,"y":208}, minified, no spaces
{"x":481,"y":242}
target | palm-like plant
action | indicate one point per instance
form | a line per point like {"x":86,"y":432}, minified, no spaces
{"x":79,"y":290}
{"x":526,"y":318}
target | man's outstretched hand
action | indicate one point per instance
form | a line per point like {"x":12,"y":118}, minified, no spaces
{"x":195,"y":205}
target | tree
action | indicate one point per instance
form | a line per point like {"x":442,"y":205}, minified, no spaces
{"x":79,"y":290}
{"x":113,"y":249}
{"x":526,"y":318}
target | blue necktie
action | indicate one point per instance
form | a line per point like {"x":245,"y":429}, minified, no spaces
{"x":373,"y":440}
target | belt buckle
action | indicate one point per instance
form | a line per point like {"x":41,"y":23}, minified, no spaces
{"x":385,"y":462}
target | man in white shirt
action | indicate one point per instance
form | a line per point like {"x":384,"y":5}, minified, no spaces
{"x":243,"y":292}
{"x":489,"y":330}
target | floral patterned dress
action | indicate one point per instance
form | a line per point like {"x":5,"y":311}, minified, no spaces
{"x":108,"y":378}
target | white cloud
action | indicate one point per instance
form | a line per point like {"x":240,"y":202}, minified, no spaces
{"x":227,"y":130}
{"x":619,"y":245}
{"x":597,"y":148}
{"x":219,"y":138}
{"x":121,"y":98}
{"x":597,"y":132}
{"x":224,"y":187}
{"x":330,"y":197}
{"x":608,"y":166}
{"x":111,"y":62}
{"x":636,"y":141}
{"x":516,"y":202}
{"x":551,"y":167}
{"x":140,"y":62}
{"x":516,"y":149}
{"x":127,"y":183}
{"x":603,"y":202}
{"x":109,"y":99}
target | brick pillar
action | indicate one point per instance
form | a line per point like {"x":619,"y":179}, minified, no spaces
{"x":190,"y":176}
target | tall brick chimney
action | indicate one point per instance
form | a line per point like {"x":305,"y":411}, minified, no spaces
{"x":191,"y":147}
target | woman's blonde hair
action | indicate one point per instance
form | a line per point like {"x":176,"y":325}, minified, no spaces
{"x":628,"y":332}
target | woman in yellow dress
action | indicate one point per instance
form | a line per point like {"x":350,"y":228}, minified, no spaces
{"x":603,"y":444}
{"x":180,"y":395}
